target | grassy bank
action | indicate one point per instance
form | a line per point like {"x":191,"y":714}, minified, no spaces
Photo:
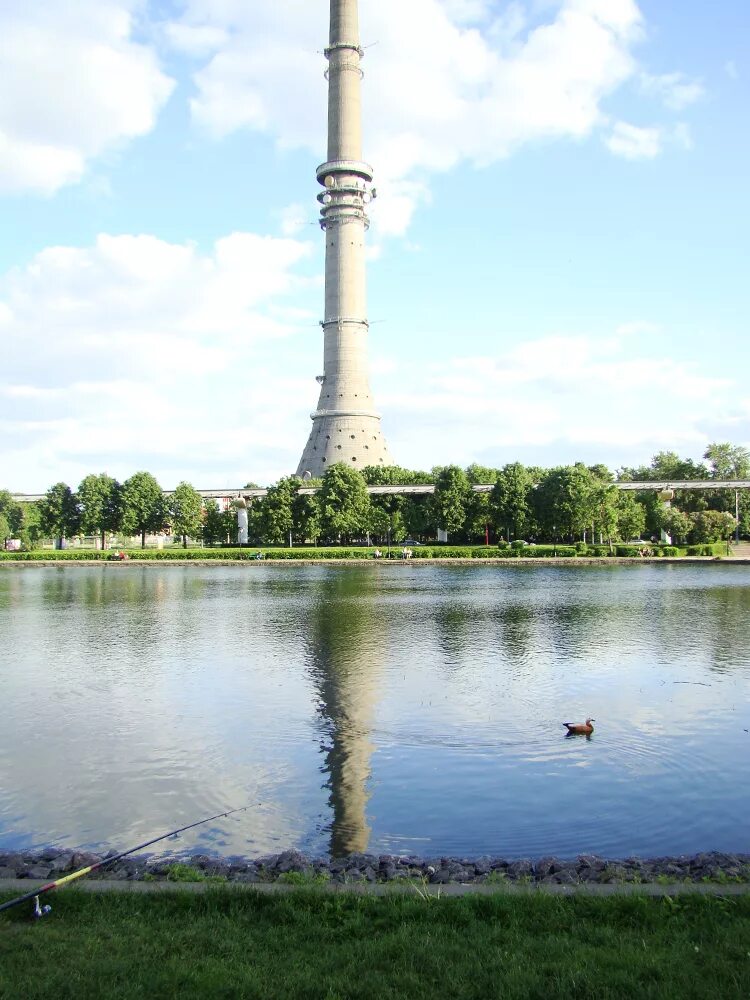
{"x":363,"y":552}
{"x":241,"y":944}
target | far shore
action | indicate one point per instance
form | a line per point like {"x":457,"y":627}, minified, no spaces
{"x":428,"y":561}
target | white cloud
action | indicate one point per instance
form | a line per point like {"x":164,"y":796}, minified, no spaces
{"x":634,"y":142}
{"x":637,"y":326}
{"x":459,"y":95}
{"x":160,"y":356}
{"x":294,"y":218}
{"x":574,"y":396}
{"x":157,"y":356}
{"x":467,"y":11}
{"x":75,"y":84}
{"x":675,"y":90}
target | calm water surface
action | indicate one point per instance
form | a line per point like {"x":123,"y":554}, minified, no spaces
{"x":399,"y":709}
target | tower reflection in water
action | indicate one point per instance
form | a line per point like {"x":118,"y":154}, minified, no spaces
{"x":347,"y":642}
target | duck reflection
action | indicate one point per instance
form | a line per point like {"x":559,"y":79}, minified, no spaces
{"x":346,"y":646}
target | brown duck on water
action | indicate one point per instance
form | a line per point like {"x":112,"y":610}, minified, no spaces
{"x":584,"y":728}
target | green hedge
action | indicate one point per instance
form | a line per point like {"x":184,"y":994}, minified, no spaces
{"x":710,"y":549}
{"x":363,"y":552}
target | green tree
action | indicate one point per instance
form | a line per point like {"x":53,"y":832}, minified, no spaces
{"x":711,"y":526}
{"x":605,"y":502}
{"x":143,"y":506}
{"x":306,"y":516}
{"x":478,"y":508}
{"x":394,"y":475}
{"x":677,"y":524}
{"x":276,"y":517}
{"x":418,"y":517}
{"x":631,"y":516}
{"x":481,"y":475}
{"x":510,"y":501}
{"x":666,"y":466}
{"x":219,"y":524}
{"x":344,"y":502}
{"x":565,"y":501}
{"x":451,"y":498}
{"x":727,"y":461}
{"x":186,"y":511}
{"x":30,"y":531}
{"x":379,"y":523}
{"x":99,"y":500}
{"x":11,"y":517}
{"x":59,"y":513}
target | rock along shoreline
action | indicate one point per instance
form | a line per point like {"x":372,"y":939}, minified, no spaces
{"x":296,"y":868}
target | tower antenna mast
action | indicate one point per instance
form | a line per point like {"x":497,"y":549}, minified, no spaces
{"x":346,"y":427}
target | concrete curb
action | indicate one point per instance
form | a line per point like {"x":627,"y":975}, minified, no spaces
{"x":22,"y":886}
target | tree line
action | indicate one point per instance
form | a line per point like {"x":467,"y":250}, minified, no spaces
{"x":565,"y":503}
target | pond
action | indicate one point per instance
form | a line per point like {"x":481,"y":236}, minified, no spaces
{"x":404,"y":709}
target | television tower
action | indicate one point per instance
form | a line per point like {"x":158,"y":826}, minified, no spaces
{"x":345,"y":427}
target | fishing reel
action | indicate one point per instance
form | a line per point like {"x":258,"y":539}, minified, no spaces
{"x":39,"y":910}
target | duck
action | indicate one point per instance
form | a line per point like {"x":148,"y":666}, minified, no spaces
{"x":584,"y":728}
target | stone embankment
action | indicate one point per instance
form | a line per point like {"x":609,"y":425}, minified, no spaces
{"x":292,"y":866}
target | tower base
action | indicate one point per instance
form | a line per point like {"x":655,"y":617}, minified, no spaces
{"x":350,"y":436}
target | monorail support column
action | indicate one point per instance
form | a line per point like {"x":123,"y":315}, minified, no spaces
{"x":666,"y":497}
{"x":242,"y":522}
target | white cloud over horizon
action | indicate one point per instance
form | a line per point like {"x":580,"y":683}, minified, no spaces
{"x":152,"y":351}
{"x":197,"y":365}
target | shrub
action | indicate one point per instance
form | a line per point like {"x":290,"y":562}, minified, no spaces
{"x":627,"y":551}
{"x":581,"y":548}
{"x":715,"y":549}
{"x":180,"y":872}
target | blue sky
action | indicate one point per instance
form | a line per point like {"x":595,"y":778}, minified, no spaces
{"x":558,"y":255}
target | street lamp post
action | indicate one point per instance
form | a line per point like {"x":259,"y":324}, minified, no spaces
{"x":737,"y":516}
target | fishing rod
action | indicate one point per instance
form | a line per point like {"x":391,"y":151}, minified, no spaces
{"x":40,"y":911}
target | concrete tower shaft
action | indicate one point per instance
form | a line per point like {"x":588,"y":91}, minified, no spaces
{"x":346,"y":427}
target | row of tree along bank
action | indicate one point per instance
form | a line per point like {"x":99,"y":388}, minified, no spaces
{"x":557,"y":506}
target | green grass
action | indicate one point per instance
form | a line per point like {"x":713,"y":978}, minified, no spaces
{"x":322,"y":946}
